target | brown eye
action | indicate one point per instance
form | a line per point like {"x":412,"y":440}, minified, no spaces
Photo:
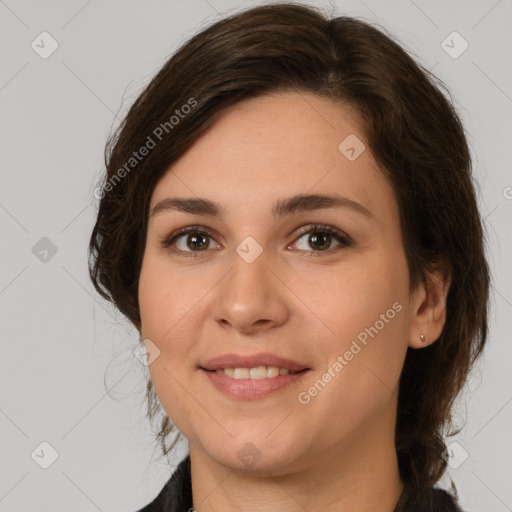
{"x":320,"y":238}
{"x":192,"y":240}
{"x":196,"y":242}
{"x":189,"y":240}
{"x":321,"y":241}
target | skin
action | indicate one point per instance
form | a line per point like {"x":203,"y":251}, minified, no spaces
{"x":335,"y":453}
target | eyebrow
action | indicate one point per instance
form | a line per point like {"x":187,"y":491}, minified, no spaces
{"x":282,"y":207}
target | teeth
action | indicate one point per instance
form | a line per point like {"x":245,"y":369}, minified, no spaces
{"x":256,"y":373}
{"x":272,"y":371}
{"x":241,"y":373}
{"x":260,"y":372}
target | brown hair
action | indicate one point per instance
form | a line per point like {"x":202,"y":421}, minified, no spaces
{"x":414,"y":134}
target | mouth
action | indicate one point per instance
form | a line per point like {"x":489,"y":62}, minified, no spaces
{"x":252,"y":377}
{"x":255,"y":373}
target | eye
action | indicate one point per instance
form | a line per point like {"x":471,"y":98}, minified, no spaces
{"x":321,"y":236}
{"x":192,"y":240}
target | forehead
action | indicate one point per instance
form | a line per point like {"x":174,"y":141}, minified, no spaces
{"x":276,"y":146}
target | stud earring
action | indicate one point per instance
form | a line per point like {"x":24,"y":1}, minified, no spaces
{"x":422,"y":338}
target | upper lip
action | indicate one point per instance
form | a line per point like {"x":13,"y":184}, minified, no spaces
{"x":239,"y":361}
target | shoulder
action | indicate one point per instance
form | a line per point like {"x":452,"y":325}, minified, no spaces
{"x":176,"y":495}
{"x":434,"y":499}
{"x":444,"y":501}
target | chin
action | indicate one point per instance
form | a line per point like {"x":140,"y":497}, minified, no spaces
{"x":251,"y":454}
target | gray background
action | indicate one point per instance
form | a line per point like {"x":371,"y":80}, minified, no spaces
{"x":68,"y":376}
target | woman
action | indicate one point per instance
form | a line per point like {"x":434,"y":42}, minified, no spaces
{"x":289,"y":221}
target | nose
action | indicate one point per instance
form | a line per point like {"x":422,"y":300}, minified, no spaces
{"x":252,"y":297}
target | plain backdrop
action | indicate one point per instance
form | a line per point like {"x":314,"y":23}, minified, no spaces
{"x":68,"y":378}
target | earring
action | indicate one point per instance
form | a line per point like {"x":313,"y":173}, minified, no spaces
{"x":422,"y":338}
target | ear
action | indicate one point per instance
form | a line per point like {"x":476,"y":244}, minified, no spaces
{"x":428,"y":309}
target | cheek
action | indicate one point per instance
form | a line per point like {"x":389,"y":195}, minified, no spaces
{"x":360,"y":382}
{"x":168,"y":300}
{"x":165,"y":298}
{"x":352,"y":298}
{"x":160,"y":313}
{"x":364,"y":310}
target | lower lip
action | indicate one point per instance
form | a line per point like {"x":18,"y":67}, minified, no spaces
{"x":249,"y":389}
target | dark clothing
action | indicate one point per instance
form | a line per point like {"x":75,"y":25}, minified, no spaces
{"x":176,"y":496}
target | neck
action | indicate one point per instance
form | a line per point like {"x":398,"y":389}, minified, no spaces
{"x":361,"y":475}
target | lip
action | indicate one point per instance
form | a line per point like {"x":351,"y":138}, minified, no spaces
{"x":264,"y":359}
{"x":249,"y":389}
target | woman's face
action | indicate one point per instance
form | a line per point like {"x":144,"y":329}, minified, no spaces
{"x":257,"y":285}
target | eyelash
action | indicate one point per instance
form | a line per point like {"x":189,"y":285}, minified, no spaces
{"x":344,"y":240}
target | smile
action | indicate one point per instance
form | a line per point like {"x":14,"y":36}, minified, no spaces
{"x":252,"y":377}
{"x":244,"y":386}
{"x":255,"y":373}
